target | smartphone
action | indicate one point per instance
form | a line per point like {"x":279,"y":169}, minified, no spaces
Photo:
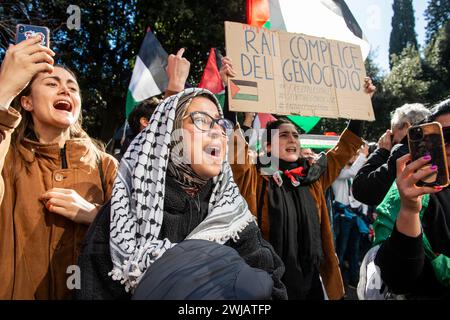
{"x":25,"y":31}
{"x":428,"y":139}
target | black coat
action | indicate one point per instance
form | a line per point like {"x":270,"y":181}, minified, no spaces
{"x":375,"y":178}
{"x":201,"y":269}
{"x":402,"y":261}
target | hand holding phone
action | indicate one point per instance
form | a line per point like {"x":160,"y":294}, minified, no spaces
{"x":23,"y":61}
{"x":427,"y":139}
{"x":26,"y":31}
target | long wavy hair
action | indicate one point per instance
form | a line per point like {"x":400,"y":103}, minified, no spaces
{"x":26,"y":127}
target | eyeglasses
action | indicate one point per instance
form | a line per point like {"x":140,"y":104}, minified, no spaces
{"x":446,"y":134}
{"x":204,"y":122}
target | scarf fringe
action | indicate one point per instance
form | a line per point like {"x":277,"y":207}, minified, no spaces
{"x":117,"y":275}
{"x":130,"y":281}
{"x":221,"y":238}
{"x":131,"y":278}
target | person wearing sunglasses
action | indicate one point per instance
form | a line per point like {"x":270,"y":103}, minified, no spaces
{"x":413,"y":227}
{"x":174,"y":185}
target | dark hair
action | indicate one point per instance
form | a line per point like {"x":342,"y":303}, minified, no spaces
{"x":144,"y":109}
{"x":272,"y":126}
{"x":440,"y":109}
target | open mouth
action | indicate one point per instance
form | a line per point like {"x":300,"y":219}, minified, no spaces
{"x":213,"y":151}
{"x":291,"y":150}
{"x":63,"y":105}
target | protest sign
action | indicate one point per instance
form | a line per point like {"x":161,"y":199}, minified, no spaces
{"x":295,"y":74}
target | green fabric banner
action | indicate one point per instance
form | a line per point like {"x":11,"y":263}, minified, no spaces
{"x":305,"y":123}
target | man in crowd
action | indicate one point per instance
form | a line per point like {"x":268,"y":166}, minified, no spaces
{"x":374,"y":179}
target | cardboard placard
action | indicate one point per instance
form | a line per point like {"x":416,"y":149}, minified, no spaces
{"x":295,"y":74}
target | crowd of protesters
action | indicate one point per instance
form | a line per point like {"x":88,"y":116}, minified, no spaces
{"x":192,"y":212}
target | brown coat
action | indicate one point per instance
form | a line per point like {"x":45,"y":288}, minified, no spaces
{"x":250,"y":183}
{"x":36,"y":246}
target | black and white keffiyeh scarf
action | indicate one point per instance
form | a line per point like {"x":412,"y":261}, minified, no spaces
{"x":138,"y":199}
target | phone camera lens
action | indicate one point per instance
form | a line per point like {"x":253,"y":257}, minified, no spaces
{"x":416,"y":134}
{"x":21,"y":29}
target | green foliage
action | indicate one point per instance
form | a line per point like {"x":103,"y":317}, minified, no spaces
{"x":437,"y":60}
{"x":437,"y":15}
{"x":412,"y":78}
{"x":382,"y":103}
{"x":195,"y":25}
{"x":406,"y":80}
{"x":102,"y":53}
{"x":403,"y":33}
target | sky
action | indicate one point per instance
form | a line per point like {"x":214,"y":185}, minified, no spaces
{"x":374,"y":17}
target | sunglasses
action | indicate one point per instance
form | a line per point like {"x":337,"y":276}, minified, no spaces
{"x":204,"y":122}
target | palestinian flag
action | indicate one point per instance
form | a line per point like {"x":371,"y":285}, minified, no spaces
{"x":244,"y":90}
{"x":317,"y":141}
{"x":305,"y":123}
{"x":149,"y":74}
{"x":211,"y":79}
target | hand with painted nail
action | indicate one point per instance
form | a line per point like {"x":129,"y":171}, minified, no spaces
{"x":408,"y":219}
{"x":407,"y":177}
{"x":22,"y":62}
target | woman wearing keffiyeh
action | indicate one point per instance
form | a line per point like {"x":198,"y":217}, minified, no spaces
{"x":174,"y":183}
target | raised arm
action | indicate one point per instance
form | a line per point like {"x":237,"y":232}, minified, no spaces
{"x":350,"y":173}
{"x":238,"y":156}
{"x":401,"y":257}
{"x":21,"y":63}
{"x":347,"y":146}
{"x":339,"y":156}
{"x":375,"y":178}
{"x":177,"y":71}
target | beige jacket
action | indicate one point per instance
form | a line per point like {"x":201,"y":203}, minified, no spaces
{"x":36,"y":246}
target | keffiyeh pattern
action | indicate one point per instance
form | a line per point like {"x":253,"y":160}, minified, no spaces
{"x":137,"y":203}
